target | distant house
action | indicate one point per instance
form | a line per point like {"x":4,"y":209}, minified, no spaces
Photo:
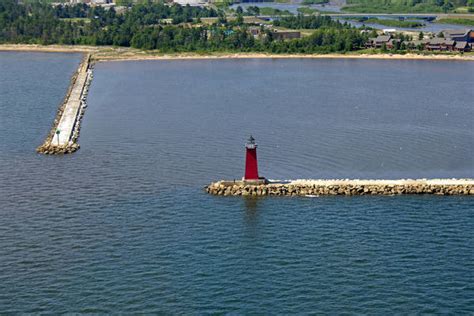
{"x":459,"y":35}
{"x":393,"y":43}
{"x":462,"y":47}
{"x":380,"y":40}
{"x":255,"y":31}
{"x":440,"y":44}
{"x":417,"y":44}
{"x":283,"y":35}
{"x":370,"y":42}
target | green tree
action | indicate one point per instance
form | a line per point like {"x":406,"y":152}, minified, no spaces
{"x":240,"y":19}
{"x":470,"y":5}
{"x":222,"y":19}
{"x":125,"y":3}
{"x":447,"y":6}
{"x":253,"y":10}
{"x":142,"y":27}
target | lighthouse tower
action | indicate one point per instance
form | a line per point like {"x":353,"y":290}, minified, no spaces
{"x":251,"y":165}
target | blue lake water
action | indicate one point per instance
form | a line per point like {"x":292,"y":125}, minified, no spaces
{"x":124,"y":225}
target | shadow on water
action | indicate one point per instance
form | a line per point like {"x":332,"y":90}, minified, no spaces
{"x":253,"y":208}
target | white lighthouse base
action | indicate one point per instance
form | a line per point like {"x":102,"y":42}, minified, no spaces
{"x":261,"y":180}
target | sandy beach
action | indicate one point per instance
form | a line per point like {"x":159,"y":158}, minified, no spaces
{"x":48,"y":48}
{"x":109,"y":53}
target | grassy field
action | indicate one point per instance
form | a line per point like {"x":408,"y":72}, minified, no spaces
{"x":391,"y":9}
{"x":273,"y":11}
{"x":396,"y":6}
{"x":394,"y":23}
{"x":76,"y":20}
{"x":404,"y":6}
{"x":247,"y":19}
{"x":307,"y":2}
{"x":304,"y":32}
{"x":464,"y":10}
{"x":460,"y":21}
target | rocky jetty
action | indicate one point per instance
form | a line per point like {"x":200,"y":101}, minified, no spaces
{"x":69,"y":115}
{"x":343,"y":187}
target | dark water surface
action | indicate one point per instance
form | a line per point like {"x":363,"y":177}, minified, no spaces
{"x":123,"y":224}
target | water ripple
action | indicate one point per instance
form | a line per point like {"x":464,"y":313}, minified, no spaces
{"x":124,"y":226}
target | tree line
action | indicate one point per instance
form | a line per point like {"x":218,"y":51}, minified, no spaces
{"x":168,"y":28}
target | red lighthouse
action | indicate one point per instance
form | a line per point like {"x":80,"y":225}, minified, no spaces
{"x":251,"y":165}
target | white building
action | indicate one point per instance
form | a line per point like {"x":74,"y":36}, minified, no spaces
{"x":191,"y":2}
{"x":389,"y":31}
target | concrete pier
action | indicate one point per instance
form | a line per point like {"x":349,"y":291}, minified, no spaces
{"x":314,"y":188}
{"x":64,"y":134}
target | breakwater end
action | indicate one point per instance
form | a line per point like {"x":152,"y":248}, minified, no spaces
{"x":343,"y":187}
{"x":63,"y":136}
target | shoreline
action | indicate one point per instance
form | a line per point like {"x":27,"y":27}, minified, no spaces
{"x":108,"y":53}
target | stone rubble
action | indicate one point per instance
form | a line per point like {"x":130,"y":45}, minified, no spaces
{"x":348,"y":188}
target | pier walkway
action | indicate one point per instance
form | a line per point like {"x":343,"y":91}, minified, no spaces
{"x":63,"y":136}
{"x":68,"y":119}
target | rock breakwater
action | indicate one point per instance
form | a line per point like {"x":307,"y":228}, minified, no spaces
{"x":344,"y":187}
{"x":63,"y":136}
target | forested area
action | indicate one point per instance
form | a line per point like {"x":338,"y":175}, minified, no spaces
{"x":169,"y":28}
